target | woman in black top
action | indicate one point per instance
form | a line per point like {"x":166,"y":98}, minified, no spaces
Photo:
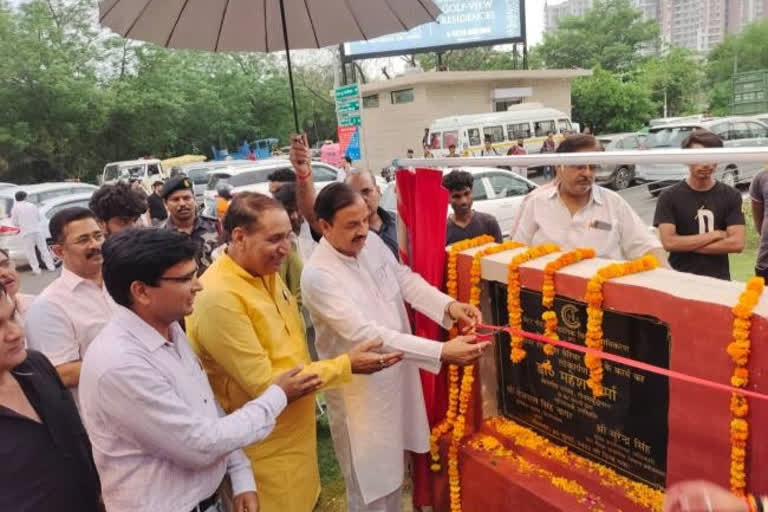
{"x":46,"y":456}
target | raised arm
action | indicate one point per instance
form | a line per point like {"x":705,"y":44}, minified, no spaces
{"x":301,"y":159}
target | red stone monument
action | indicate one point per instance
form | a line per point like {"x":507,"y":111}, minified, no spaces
{"x":536,"y":438}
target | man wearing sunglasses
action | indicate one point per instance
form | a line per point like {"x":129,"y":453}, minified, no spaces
{"x":64,"y":319}
{"x":575,"y":212}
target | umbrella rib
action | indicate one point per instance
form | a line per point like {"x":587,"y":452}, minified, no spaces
{"x":176,"y":23}
{"x":138,"y":17}
{"x":357,"y":22}
{"x":266,"y":36}
{"x":421,"y":3}
{"x":312,"y":23}
{"x":221,"y":26}
{"x":101,"y":18}
{"x":405,"y":27}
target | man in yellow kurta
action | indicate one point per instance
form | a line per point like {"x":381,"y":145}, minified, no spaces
{"x":246,"y":330}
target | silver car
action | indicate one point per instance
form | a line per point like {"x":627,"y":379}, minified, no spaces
{"x":619,"y":177}
{"x":736,"y":131}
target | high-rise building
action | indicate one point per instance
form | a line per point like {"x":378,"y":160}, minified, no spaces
{"x":553,"y":14}
{"x":743,"y":12}
{"x":699,"y":25}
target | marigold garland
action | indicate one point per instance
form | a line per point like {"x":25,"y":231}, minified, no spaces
{"x":739,"y":350}
{"x":452,"y":290}
{"x":636,"y":492}
{"x":492,"y":446}
{"x":459,"y":395}
{"x":594,"y":299}
{"x":548,"y":292}
{"x":516,"y":352}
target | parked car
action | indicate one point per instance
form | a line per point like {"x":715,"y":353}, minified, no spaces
{"x":40,"y":193}
{"x":198,"y":173}
{"x":621,"y":176}
{"x":763,"y":118}
{"x":254,"y":179}
{"x":494,"y":191}
{"x":736,"y":132}
{"x":144,"y":170}
{"x":10,"y":239}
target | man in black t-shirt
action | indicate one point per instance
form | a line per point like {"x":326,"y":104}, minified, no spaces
{"x":700,"y":220}
{"x":465,"y":222}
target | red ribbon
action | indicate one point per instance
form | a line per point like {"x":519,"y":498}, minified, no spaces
{"x":617,"y":359}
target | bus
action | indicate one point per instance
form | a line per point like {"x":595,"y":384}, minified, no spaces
{"x":528,"y":121}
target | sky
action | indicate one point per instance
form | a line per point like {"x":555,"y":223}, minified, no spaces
{"x":534,"y":19}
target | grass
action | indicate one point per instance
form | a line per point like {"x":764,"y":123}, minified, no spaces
{"x":743,"y":264}
{"x":332,"y":497}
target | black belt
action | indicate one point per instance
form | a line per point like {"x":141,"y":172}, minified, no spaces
{"x":206,"y":503}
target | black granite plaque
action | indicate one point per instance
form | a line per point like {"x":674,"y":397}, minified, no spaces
{"x":626,"y":429}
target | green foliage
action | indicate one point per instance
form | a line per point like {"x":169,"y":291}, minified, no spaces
{"x":678,"y":76}
{"x":742,"y":52}
{"x":485,"y":58}
{"x":609,"y":35}
{"x":73,"y":98}
{"x":608,"y":105}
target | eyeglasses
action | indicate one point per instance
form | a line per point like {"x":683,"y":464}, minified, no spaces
{"x":186,"y":278}
{"x":86,"y":239}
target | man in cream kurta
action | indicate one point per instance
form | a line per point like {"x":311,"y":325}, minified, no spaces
{"x":374,"y":418}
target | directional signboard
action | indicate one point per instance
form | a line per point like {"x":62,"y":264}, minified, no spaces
{"x":350,"y":119}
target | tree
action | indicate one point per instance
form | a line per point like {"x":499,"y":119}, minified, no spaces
{"x":611,"y":35}
{"x":609,"y":105}
{"x":674,"y":79}
{"x":737,"y":53}
{"x":469,"y":59}
{"x":73,"y":99}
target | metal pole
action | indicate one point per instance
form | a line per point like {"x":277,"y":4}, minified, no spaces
{"x":290,"y":69}
{"x":344,"y":80}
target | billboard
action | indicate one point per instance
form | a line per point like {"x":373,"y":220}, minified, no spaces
{"x":463,"y":23}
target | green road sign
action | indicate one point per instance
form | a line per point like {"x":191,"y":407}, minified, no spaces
{"x":347,"y":91}
{"x":348,"y":106}
{"x":349,"y":119}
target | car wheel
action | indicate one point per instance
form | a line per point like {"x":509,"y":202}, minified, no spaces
{"x":730,"y":177}
{"x":622,"y":178}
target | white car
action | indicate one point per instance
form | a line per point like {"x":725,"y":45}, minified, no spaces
{"x":254,"y":179}
{"x":40,"y":193}
{"x":10,"y":239}
{"x":145,"y":170}
{"x":494,"y":191}
{"x":198,"y":172}
{"x":736,"y":131}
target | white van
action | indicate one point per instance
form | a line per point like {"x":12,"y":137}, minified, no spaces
{"x":147,"y":171}
{"x":528,"y":121}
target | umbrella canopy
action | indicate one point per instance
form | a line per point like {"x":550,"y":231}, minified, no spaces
{"x":262,"y":25}
{"x":256,"y":25}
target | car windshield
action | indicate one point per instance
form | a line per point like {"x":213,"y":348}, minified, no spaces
{"x":134,"y":171}
{"x":216,"y":179}
{"x":250,"y":177}
{"x":668,"y":137}
{"x":198,"y":176}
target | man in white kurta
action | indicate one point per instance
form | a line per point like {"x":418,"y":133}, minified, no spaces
{"x":359,"y":294}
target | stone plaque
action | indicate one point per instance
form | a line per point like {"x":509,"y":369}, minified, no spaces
{"x":627,"y":428}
